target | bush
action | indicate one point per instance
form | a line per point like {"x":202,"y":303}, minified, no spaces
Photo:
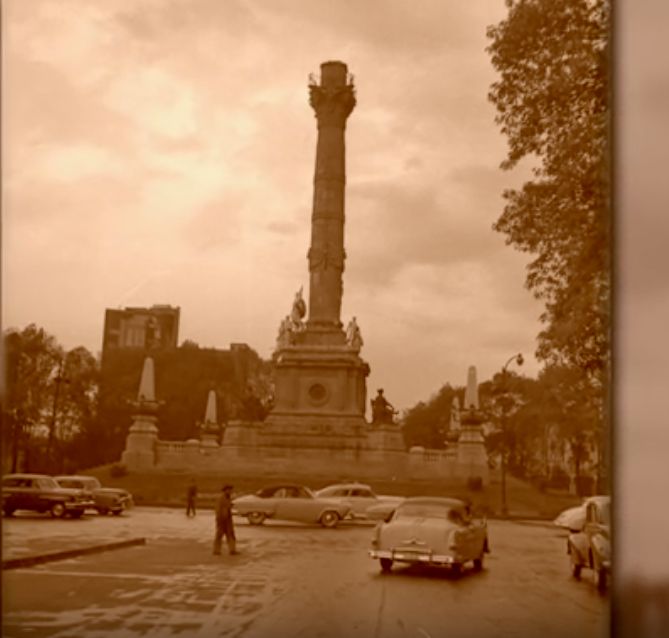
{"x":118,"y":470}
{"x":475,"y":483}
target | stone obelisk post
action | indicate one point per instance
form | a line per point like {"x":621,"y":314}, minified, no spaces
{"x":210,"y":427}
{"x":472,"y":457}
{"x":140,"y":445}
{"x":320,"y":379}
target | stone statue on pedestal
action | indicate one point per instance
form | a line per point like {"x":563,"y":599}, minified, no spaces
{"x":298,"y":312}
{"x":353,"y":335}
{"x":285,"y":337}
{"x":383,"y":413}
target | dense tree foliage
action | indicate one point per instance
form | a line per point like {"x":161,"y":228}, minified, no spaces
{"x":553,"y":102}
{"x":427,"y":423}
{"x":48,"y":392}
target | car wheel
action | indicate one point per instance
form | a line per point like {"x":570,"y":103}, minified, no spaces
{"x":256,"y":518}
{"x":103,"y":511}
{"x":57,"y":510}
{"x":330,"y":519}
{"x":386,"y":565}
{"x":576,"y":567}
{"x":456,"y":568}
{"x":478,"y":563}
{"x":117,"y":512}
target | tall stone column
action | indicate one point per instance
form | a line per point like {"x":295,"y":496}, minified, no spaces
{"x":320,"y":379}
{"x":333,"y":101}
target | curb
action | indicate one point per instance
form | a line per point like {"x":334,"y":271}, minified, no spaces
{"x":30,"y":561}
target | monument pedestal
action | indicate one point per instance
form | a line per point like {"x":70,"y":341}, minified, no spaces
{"x":387,"y":438}
{"x":320,"y":394}
{"x":472,"y":458}
{"x":140,"y":446}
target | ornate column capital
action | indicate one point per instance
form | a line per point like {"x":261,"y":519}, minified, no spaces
{"x":333,"y":105}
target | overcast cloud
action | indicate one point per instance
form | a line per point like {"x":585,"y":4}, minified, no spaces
{"x":163,"y":152}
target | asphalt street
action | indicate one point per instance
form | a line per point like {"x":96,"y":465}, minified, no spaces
{"x":290,"y":580}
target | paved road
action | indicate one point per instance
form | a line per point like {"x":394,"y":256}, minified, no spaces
{"x":290,"y":581}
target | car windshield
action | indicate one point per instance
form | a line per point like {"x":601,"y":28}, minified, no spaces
{"x":605,"y":509}
{"x":425,"y":510}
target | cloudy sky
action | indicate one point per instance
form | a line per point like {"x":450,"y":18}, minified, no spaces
{"x":162,"y":151}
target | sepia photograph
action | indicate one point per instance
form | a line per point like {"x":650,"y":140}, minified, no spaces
{"x":316,"y":319}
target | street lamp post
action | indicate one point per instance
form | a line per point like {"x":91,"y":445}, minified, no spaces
{"x":518,"y":358}
{"x":52,"y":429}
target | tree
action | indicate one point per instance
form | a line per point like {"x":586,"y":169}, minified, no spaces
{"x":553,"y":104}
{"x":426,"y":424}
{"x":77,"y":414}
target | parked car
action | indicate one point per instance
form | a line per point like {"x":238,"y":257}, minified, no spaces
{"x":41,"y":493}
{"x":591,"y":547}
{"x":358,"y":496}
{"x":431,"y":531}
{"x":105,"y":499}
{"x":291,"y":503}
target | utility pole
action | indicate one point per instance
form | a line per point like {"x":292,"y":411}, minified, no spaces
{"x":52,"y":428}
{"x":518,"y":358}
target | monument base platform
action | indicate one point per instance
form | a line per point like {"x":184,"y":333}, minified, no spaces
{"x":315,"y":431}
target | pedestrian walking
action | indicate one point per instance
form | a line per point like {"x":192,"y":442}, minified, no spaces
{"x":224,"y":525}
{"x":190,"y":498}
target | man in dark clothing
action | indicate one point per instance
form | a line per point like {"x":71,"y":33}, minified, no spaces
{"x":192,"y":494}
{"x":224,"y":526}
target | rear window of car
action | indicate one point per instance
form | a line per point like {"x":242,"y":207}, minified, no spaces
{"x":70,"y":483}
{"x":423,"y":510}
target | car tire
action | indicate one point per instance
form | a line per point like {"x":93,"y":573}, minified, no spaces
{"x":330,"y":519}
{"x":57,"y":510}
{"x":456,"y":569}
{"x":478,"y":562}
{"x":386,"y":565}
{"x":117,"y":512}
{"x":576,"y":567}
{"x":103,"y":511}
{"x":256,"y":518}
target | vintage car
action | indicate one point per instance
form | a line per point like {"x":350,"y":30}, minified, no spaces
{"x":431,"y":531}
{"x":359,"y":497}
{"x":105,"y":499}
{"x":591,"y":547}
{"x":290,"y":503}
{"x":40,"y":493}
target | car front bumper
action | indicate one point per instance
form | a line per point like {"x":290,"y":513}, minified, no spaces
{"x":422,"y":557}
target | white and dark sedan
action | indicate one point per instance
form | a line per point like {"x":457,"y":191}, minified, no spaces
{"x":360,"y":498}
{"x":290,"y":503}
{"x":105,"y":499}
{"x":431,"y":531}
